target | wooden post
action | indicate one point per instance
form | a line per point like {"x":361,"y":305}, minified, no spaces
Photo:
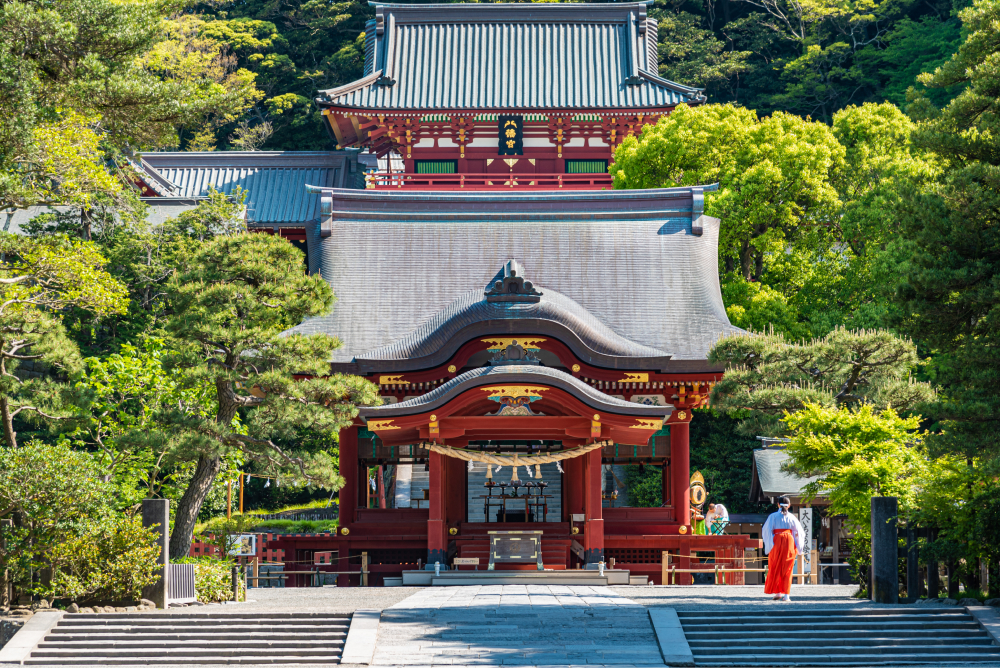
{"x":256,"y":571}
{"x":229,"y":501}
{"x":156,"y":515}
{"x":885,"y":550}
{"x":364,"y":569}
{"x":664,"y":567}
{"x":814,"y":574}
{"x":241,"y":493}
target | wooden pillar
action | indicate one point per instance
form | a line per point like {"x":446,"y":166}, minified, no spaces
{"x":572,"y":483}
{"x":593,"y":533}
{"x":436,"y":527}
{"x":349,"y":469}
{"x":680,"y":467}
{"x":665,"y":485}
{"x":456,"y":494}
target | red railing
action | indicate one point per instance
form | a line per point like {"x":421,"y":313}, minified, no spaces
{"x":387,"y":181}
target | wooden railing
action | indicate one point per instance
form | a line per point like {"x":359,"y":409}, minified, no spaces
{"x":389,"y":181}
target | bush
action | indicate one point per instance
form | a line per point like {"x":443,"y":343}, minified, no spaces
{"x":113,"y":559}
{"x":213,"y":581}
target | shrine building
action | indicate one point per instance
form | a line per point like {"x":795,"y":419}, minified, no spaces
{"x":530,"y":328}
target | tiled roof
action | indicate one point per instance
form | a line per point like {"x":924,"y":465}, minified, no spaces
{"x":275,"y":181}
{"x":632,"y":259}
{"x":771,"y":480}
{"x":511,"y":57}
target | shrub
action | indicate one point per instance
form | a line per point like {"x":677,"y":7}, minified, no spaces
{"x":112,"y":559}
{"x":213,"y":579}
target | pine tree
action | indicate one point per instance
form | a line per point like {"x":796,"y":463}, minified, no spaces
{"x":38,"y":279}
{"x":231,"y":302}
{"x":767,"y":376}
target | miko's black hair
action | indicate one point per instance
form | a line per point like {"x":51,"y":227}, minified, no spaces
{"x":783,"y":503}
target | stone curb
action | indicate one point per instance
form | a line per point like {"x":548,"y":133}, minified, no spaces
{"x":359,"y":647}
{"x":988,"y":618}
{"x":26,"y":640}
{"x":670,"y":636}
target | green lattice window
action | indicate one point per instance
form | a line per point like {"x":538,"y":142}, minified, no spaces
{"x":437,"y":166}
{"x":586,"y":166}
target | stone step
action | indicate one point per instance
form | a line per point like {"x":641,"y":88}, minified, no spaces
{"x":183,"y":642}
{"x":805,"y":616}
{"x":141,"y":620}
{"x":247,"y":660}
{"x":156,"y":652}
{"x":164,"y":627}
{"x":806,"y":650}
{"x":787,"y":610}
{"x":81,"y":637}
{"x":856,"y":659}
{"x":875,"y":639}
{"x":821,"y":626}
{"x":808,"y":634}
{"x":201,"y":613}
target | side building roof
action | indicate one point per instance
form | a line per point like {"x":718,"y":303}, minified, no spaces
{"x":769,"y":481}
{"x":512,"y":57}
{"x":275,"y":181}
{"x":630,"y":273}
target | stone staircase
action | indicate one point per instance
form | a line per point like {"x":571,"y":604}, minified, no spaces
{"x":179,"y":638}
{"x":786,"y":636}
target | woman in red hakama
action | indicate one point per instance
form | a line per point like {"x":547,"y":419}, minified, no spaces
{"x":782,"y":535}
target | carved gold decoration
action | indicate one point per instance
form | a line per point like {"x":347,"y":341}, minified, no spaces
{"x":576,"y":530}
{"x":452,"y":368}
{"x":635,"y":378}
{"x":452,"y":531}
{"x":576,"y":368}
{"x":498,"y":344}
{"x":596,"y":416}
{"x":682,"y":416}
{"x":381,"y":425}
{"x":434,"y":417}
{"x":344,"y":531}
{"x":392,"y":380}
{"x":647,"y":424}
{"x":514,"y":391}
{"x":682,"y":529}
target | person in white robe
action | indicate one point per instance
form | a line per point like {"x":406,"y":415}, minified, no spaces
{"x":782,"y":534}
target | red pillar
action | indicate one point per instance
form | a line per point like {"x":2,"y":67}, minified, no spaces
{"x":593,"y":533}
{"x":572,"y":482}
{"x":680,"y":467}
{"x":437,"y":544}
{"x":349,"y":469}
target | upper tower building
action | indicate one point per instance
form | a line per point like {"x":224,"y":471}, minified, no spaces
{"x":481,"y":96}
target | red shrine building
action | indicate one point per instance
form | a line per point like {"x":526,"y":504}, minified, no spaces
{"x":507,"y":301}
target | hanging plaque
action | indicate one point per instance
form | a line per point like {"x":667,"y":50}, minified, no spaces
{"x":511,"y":132}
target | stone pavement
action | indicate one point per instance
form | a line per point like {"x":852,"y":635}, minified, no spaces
{"x":519,"y":625}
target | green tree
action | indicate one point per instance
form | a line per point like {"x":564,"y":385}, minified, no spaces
{"x":38,"y":278}
{"x":767,"y":377}
{"x":230,"y":304}
{"x":50,"y":492}
{"x":948,"y":298}
{"x":856,"y":454}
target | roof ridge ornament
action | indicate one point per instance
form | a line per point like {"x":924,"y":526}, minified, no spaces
{"x":509,"y":285}
{"x":385,"y":81}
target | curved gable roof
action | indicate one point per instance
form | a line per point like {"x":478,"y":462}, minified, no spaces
{"x":440,"y":395}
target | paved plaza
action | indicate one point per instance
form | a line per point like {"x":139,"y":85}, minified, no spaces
{"x":523,"y":625}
